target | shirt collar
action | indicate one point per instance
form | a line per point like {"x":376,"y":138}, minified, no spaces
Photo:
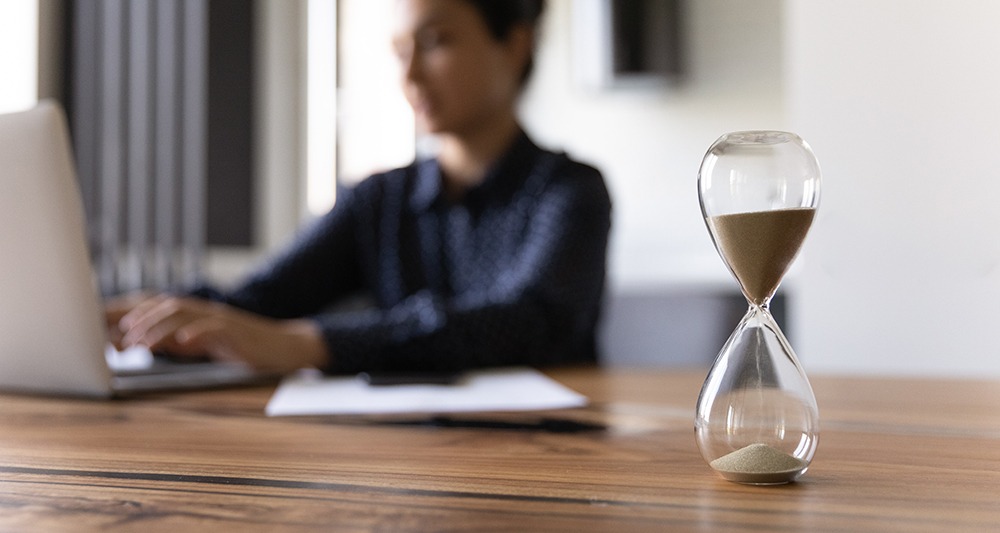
{"x":509,"y":171}
{"x":427,"y":188}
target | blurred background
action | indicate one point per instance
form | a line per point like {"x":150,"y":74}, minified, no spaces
{"x":207,"y":131}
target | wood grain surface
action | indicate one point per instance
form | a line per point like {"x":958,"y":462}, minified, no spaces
{"x":894,"y":455}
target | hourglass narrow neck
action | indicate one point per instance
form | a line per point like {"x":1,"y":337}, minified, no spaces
{"x":758,"y":316}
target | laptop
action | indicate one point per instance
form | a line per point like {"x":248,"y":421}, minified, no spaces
{"x":52,"y":332}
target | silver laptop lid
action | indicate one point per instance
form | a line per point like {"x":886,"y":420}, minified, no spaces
{"x":52,"y":334}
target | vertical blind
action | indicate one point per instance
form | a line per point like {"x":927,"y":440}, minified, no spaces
{"x":138,"y":110}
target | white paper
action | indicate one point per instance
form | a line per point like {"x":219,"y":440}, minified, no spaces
{"x":510,"y":389}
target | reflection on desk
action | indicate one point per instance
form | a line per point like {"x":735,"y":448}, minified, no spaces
{"x":907,"y":454}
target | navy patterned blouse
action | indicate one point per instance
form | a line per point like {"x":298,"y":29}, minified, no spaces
{"x":511,"y":274}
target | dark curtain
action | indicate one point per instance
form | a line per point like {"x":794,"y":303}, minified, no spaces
{"x":159,"y":95}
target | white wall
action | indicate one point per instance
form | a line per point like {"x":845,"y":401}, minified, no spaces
{"x":649,"y":142}
{"x":670,"y":301}
{"x":899,"y":100}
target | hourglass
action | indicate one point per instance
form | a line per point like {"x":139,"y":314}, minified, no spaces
{"x":757,"y":420}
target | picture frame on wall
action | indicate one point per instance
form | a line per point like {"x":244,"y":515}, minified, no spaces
{"x":627,"y":43}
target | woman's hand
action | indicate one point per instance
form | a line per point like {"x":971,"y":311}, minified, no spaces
{"x":192,"y":327}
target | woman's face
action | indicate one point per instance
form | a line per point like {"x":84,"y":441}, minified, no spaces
{"x":455,"y":75}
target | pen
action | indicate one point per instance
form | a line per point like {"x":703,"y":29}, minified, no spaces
{"x":551,"y":425}
{"x":377,"y":379}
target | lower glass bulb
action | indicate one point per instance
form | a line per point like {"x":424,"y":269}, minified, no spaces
{"x":756,"y":420}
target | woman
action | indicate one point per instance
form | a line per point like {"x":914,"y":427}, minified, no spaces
{"x":492,"y":253}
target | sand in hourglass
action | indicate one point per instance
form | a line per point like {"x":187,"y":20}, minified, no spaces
{"x":759,"y":464}
{"x":759,"y":246}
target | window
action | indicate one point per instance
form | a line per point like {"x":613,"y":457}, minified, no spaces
{"x":375,"y":129}
{"x":321,"y":104}
{"x":357,"y":121}
{"x":18,"y":54}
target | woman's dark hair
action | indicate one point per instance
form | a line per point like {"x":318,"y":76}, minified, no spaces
{"x":502,"y":16}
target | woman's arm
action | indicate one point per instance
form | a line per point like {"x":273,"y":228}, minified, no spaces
{"x":259,"y":322}
{"x":185,"y":326}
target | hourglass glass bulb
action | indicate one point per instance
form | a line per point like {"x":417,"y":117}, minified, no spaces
{"x":756,"y":419}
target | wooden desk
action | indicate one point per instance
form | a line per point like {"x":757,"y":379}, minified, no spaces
{"x":894,"y":455}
